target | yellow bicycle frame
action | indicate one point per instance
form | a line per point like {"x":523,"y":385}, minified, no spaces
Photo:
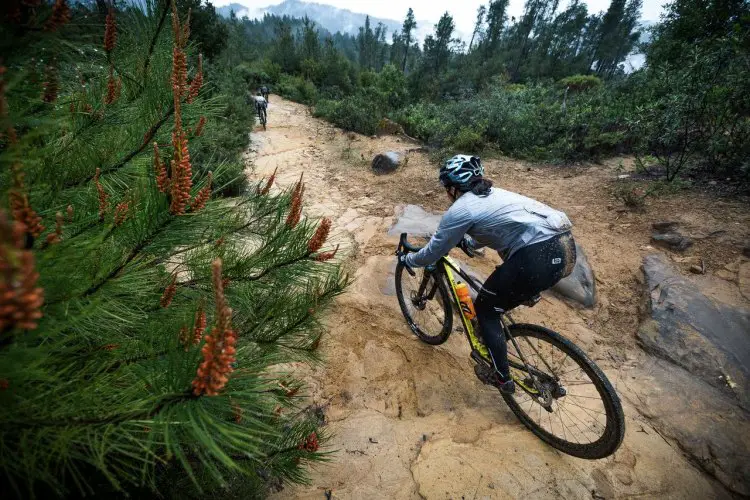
{"x":473,"y":339}
{"x":476,"y":344}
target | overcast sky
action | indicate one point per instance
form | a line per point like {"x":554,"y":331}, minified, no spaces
{"x":463,"y":11}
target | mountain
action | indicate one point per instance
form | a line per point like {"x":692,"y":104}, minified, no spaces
{"x":239,"y":10}
{"x":329,"y":17}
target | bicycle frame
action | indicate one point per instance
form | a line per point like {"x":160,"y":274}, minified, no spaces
{"x":450,"y":268}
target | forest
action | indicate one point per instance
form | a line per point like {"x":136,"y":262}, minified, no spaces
{"x":152,"y":294}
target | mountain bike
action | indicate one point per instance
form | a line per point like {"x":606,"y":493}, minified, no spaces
{"x":561,"y":395}
{"x":262,"y":116}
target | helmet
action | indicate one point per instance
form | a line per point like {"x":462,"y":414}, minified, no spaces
{"x":460,"y":170}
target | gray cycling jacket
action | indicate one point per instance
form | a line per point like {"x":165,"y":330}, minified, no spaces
{"x":502,"y":220}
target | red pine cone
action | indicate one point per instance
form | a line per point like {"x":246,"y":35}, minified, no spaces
{"x":20,"y":299}
{"x":197,"y":83}
{"x":110,"y":32}
{"x":218,"y":351}
{"x":60,"y":15}
{"x":182,"y":180}
{"x":199,"y":127}
{"x":322,"y":257}
{"x":269,"y":183}
{"x":311,"y":443}
{"x":51,"y":84}
{"x":169,"y":293}
{"x":19,"y":204}
{"x":295,"y":211}
{"x":320,"y":236}
{"x":111,"y":88}
{"x":203,"y":195}
{"x":200,"y":325}
{"x":103,"y":204}
{"x":121,"y":212}
{"x":162,"y":179}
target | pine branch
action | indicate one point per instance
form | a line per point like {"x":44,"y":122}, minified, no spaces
{"x":109,"y":420}
{"x":126,"y":159}
{"x":133,"y":254}
{"x":152,"y":45}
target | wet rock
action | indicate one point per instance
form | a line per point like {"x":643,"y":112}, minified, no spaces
{"x":580,"y":286}
{"x":415,"y":221}
{"x":703,"y":335}
{"x":665,"y":226}
{"x":666,"y":235}
{"x":746,"y":251}
{"x":672,"y":240}
{"x":743,"y":279}
{"x":386,"y":163}
{"x":706,"y":424}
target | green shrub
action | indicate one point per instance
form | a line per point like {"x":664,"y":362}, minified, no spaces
{"x":354,"y":113}
{"x":297,"y":89}
{"x":467,"y":140}
{"x":581,"y":82}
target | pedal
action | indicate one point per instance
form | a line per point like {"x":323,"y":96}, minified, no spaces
{"x":484,"y":374}
{"x":482,"y":370}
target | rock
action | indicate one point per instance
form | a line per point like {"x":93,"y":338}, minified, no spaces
{"x":743,"y":279}
{"x":580,"y":286}
{"x":665,"y":226}
{"x":704,"y":336}
{"x":707,"y":425}
{"x":415,"y":221}
{"x":386,"y":163}
{"x":672,"y":240}
{"x":696,"y":269}
{"x":389,"y":127}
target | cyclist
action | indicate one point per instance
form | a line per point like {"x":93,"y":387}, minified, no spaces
{"x":260,"y":103}
{"x":533,"y":240}
{"x":264,"y":93}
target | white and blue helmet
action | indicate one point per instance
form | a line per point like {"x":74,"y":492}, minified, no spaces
{"x":460,"y":170}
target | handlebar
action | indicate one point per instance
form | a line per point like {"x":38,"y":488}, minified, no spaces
{"x":403,"y":244}
{"x":405,"y":247}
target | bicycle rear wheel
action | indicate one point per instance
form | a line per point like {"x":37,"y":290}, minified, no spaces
{"x":577,"y":411}
{"x":429,"y":314}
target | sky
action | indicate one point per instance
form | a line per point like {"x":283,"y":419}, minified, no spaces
{"x":463,"y":11}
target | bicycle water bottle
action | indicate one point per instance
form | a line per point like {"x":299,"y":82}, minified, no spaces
{"x":467,"y":306}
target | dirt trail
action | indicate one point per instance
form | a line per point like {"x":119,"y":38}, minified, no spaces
{"x":410,"y":420}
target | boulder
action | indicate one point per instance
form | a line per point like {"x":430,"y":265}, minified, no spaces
{"x":580,"y":286}
{"x":672,"y":240}
{"x":706,"y":337}
{"x":707,"y":425}
{"x":666,"y":235}
{"x":389,"y":127}
{"x":386,"y":163}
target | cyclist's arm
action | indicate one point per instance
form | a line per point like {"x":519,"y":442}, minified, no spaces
{"x":454,"y":224}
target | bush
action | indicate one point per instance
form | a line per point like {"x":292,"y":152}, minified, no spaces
{"x":297,"y":89}
{"x":581,"y":82}
{"x":355,"y":113}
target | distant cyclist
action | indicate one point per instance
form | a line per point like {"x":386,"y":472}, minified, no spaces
{"x":264,"y":92}
{"x":261,"y":105}
{"x":533,"y":239}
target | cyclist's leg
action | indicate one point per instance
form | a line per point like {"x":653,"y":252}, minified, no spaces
{"x":529,"y":271}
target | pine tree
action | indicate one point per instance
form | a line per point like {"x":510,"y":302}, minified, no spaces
{"x":495,"y":22}
{"x":478,"y":26}
{"x":409,"y":26}
{"x":140,"y":314}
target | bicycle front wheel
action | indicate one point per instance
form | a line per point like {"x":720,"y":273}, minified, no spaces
{"x":428,"y":312}
{"x":577,"y":410}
